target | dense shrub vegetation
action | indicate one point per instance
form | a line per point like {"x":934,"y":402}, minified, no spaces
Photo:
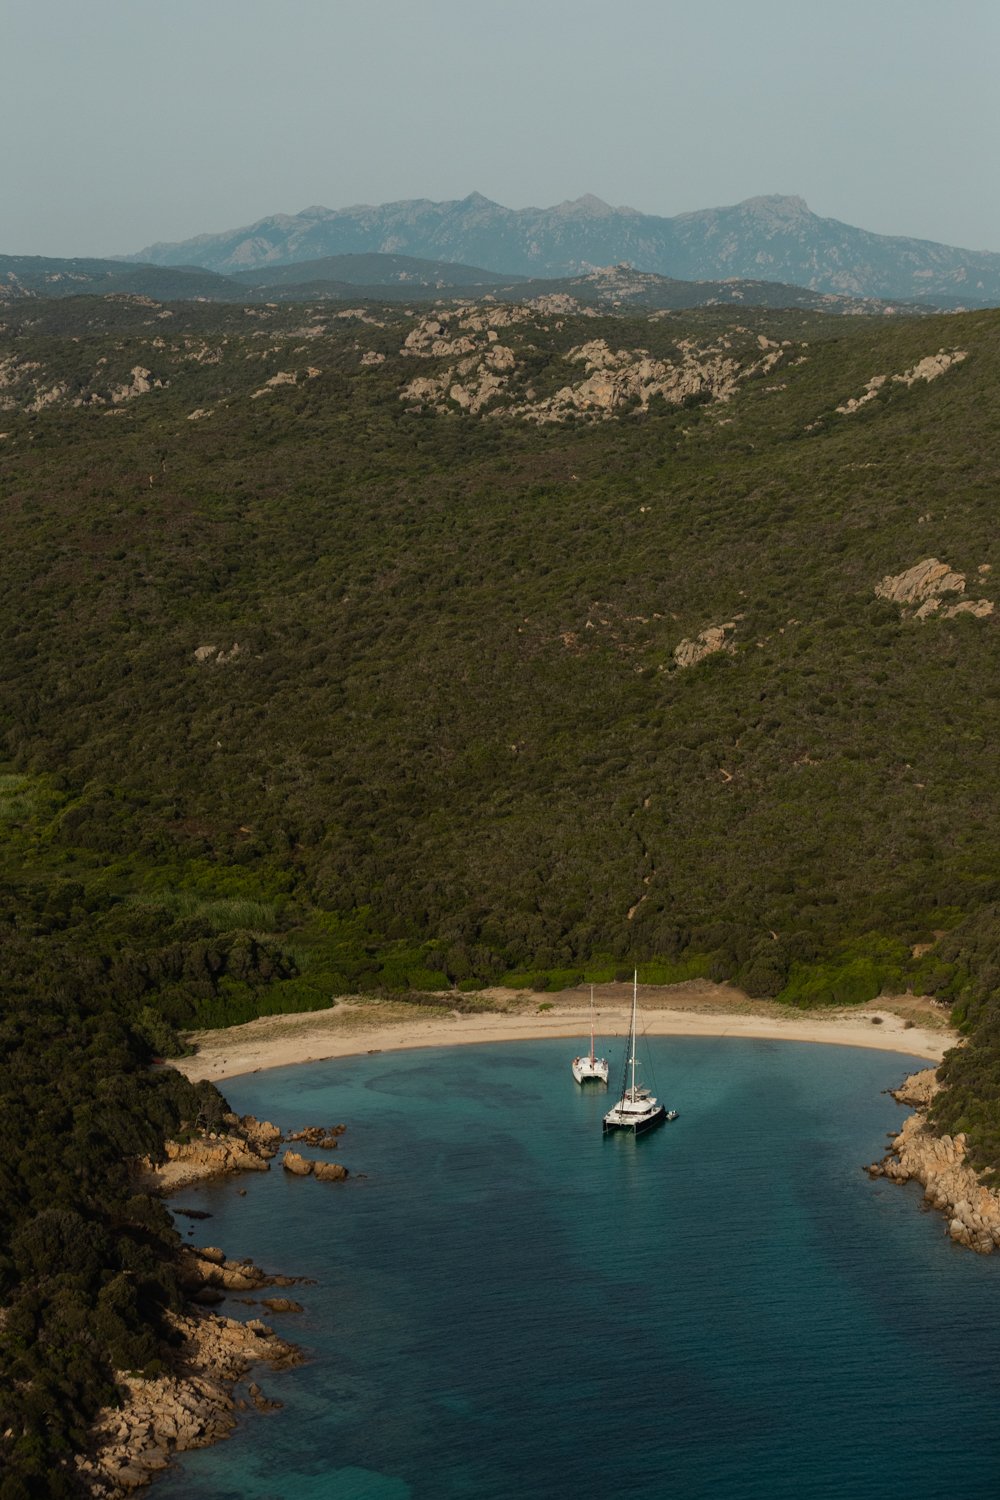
{"x":85,"y":1269}
{"x":453,"y":745}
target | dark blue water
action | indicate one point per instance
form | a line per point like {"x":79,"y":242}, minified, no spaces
{"x":510,"y":1305}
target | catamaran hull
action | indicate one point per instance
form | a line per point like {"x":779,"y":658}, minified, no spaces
{"x":585,"y":1071}
{"x":638,"y":1126}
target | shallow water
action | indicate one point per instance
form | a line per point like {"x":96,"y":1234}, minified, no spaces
{"x":508,"y":1304}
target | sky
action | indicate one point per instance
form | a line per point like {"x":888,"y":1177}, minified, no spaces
{"x":127,"y":122}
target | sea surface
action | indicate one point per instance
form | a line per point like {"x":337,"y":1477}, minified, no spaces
{"x":507,"y":1304}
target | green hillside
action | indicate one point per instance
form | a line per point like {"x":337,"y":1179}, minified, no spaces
{"x":455,"y":702}
{"x":330,"y":666}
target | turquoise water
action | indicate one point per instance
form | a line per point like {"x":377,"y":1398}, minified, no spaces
{"x":507,"y":1304}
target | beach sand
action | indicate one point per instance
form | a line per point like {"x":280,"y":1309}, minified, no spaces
{"x":903,"y":1023}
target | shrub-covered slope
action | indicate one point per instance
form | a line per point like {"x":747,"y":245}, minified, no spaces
{"x":455,"y":700}
{"x":341,"y":651}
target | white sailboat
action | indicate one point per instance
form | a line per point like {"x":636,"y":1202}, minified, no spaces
{"x":637,"y":1110}
{"x":590,"y":1068}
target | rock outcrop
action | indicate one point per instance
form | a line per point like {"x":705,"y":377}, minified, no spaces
{"x":299,"y":1166}
{"x":488,"y":374}
{"x":716,"y":638}
{"x":189,"y":1408}
{"x":631,"y":379}
{"x":247,"y":1145}
{"x":329,"y":1171}
{"x":430,"y":338}
{"x":924,"y":587}
{"x":216,"y":656}
{"x":283,"y":377}
{"x":306,"y":1166}
{"x":143,"y":381}
{"x":918,"y":1089}
{"x":198,"y":1269}
{"x":929,"y":368}
{"x":939,"y":1164}
{"x":265,"y":1136}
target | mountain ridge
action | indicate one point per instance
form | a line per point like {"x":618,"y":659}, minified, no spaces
{"x":770,"y":237}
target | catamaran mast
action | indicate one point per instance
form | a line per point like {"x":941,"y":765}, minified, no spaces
{"x":635,"y":988}
{"x":591,"y":1025}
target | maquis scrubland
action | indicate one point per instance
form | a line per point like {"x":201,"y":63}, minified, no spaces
{"x":413,"y":650}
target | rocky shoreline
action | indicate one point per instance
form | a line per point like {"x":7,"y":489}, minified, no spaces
{"x":191,"y":1407}
{"x":246,"y":1145}
{"x":938,"y":1163}
{"x":195,"y":1403}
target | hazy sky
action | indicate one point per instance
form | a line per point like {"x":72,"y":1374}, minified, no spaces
{"x":130,"y":121}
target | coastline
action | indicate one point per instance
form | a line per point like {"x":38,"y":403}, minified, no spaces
{"x":696,"y":1008}
{"x":195,"y":1404}
{"x":189,"y":1406}
{"x":190,"y":1400}
{"x":939,"y":1163}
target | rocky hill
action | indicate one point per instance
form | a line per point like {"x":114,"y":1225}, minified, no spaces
{"x":408,"y":272}
{"x":771,"y":238}
{"x":404,"y":278}
{"x":44,"y":276}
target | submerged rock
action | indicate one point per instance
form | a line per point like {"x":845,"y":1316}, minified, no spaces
{"x":282,"y":1305}
{"x":323,"y":1136}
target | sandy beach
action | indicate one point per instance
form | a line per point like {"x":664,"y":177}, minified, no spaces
{"x":904,"y":1023}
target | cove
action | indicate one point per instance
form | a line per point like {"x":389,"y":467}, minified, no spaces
{"x":509,"y":1304}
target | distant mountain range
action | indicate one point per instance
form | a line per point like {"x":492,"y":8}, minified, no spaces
{"x":775,"y":239}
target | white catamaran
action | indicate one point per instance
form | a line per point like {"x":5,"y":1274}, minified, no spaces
{"x":637,"y":1110}
{"x":590,"y":1068}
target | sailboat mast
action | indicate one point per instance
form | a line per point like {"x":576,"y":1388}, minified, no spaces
{"x":591,"y":1025}
{"x":635,"y":990}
